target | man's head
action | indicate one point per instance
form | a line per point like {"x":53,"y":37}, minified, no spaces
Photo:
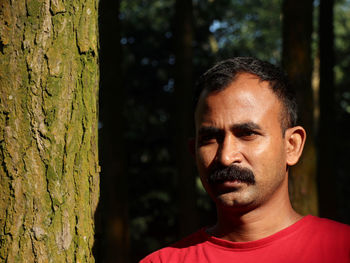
{"x":224,"y":73}
{"x":245,"y":133}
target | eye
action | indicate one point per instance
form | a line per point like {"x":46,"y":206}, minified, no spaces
{"x":247,"y":135}
{"x":210,"y":137}
{"x":206,"y":139}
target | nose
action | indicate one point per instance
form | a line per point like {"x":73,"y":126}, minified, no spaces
{"x":228,"y":152}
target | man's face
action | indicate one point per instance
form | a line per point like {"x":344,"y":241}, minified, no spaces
{"x":240,"y":127}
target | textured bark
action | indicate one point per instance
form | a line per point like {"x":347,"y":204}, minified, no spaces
{"x":184,"y":118}
{"x":326,"y":153}
{"x":48,"y":130}
{"x":297,"y":61}
{"x":114,"y":194}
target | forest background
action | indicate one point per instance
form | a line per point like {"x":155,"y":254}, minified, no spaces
{"x":164,"y":47}
{"x":60,"y":201}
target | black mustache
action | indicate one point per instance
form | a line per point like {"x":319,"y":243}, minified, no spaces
{"x":230,"y":173}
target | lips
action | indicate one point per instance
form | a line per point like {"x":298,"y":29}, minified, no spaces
{"x":227,"y":187}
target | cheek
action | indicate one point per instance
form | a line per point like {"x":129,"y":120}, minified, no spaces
{"x":205,"y":155}
{"x":256,"y":153}
{"x":265,"y":154}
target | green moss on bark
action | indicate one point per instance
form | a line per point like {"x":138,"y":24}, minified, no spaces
{"x":48,"y":134}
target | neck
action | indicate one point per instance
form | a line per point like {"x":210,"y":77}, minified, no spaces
{"x":263,"y":221}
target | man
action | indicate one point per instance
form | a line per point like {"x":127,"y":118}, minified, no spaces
{"x":246,"y":139}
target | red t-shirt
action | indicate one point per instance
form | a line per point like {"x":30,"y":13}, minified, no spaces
{"x":309,"y":240}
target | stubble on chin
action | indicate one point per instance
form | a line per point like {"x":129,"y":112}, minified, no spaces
{"x":238,"y":198}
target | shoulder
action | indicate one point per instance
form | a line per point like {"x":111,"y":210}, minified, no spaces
{"x":327,"y":224}
{"x":177,"y":251}
{"x":328,"y":229}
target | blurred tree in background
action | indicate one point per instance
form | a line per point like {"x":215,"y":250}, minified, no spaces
{"x":151,"y":54}
{"x":326,"y":150}
{"x":297,"y":62}
{"x":182,"y":121}
{"x":112,"y":231}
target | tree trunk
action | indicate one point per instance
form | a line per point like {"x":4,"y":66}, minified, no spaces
{"x":184,"y":116}
{"x":326,"y":175}
{"x":49,"y":184}
{"x":297,"y":61}
{"x":114,"y":193}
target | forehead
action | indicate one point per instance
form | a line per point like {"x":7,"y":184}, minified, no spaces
{"x":246,"y":99}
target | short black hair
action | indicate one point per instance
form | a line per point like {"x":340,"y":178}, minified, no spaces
{"x":224,"y":73}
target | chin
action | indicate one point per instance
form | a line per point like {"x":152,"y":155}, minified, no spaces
{"x":235,"y":201}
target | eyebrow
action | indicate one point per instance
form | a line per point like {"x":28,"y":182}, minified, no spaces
{"x":208,"y":129}
{"x":238,"y":126}
{"x":245,"y":126}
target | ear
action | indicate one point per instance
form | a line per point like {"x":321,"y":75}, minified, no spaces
{"x":295,"y":139}
{"x":192,"y":146}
